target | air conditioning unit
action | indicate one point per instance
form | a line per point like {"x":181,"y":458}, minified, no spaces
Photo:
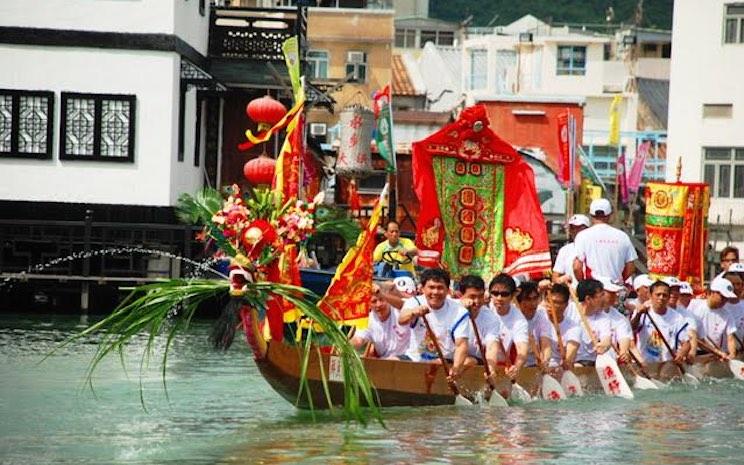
{"x":356,"y":57}
{"x":318,"y":129}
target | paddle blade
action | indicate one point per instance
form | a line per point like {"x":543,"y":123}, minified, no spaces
{"x":643,"y":383}
{"x":496,"y":400}
{"x":696,"y":370}
{"x":461,"y":401}
{"x":571,"y":384}
{"x":520,"y":394}
{"x":551,"y":389}
{"x":612,"y":379}
{"x":689,"y":379}
{"x":737,"y":368}
{"x":659,"y":384}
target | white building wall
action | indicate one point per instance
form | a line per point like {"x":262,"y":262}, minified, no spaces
{"x":152,"y":77}
{"x":704,"y":70}
{"x":179,"y":17}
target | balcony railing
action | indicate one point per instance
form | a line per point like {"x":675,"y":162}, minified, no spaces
{"x":250,"y":33}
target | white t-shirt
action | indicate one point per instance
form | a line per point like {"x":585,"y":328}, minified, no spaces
{"x":712,"y":324}
{"x":538,"y":327}
{"x":514,"y":327}
{"x":442,"y":322}
{"x":688,"y":316}
{"x":736,"y":311}
{"x":601,"y":326}
{"x":572,"y":313}
{"x":604,"y":251}
{"x":389,"y":338}
{"x":674,"y":327}
{"x":619,"y":325}
{"x":564,"y":261}
{"x":570,"y":332}
{"x":488,"y":329}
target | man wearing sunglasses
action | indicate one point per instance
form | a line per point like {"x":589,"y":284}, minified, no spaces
{"x":513,"y":334}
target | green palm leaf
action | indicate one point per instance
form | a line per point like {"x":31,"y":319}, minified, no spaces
{"x":167,"y":308}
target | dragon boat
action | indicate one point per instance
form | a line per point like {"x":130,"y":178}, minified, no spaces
{"x":406,"y":383}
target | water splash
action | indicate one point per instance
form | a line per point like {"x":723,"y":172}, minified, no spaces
{"x":198,"y":267}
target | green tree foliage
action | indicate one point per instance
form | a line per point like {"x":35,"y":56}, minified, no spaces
{"x":656,"y":13}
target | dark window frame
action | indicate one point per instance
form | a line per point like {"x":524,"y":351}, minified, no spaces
{"x":98,"y":102}
{"x":16,"y":95}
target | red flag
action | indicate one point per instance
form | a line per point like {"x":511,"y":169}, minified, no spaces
{"x":564,"y":157}
{"x":622,"y":180}
{"x":350,"y":292}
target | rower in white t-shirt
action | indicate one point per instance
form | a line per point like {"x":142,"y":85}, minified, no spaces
{"x":563,"y":267}
{"x":473,"y":289}
{"x":389,"y":338}
{"x":538,"y":326}
{"x":622,"y":335}
{"x":513,"y":325}
{"x":570,"y":331}
{"x":715,"y":325}
{"x":591,"y":297}
{"x":735,"y":306}
{"x":672,"y":325}
{"x":441,"y":312}
{"x":603,"y":250}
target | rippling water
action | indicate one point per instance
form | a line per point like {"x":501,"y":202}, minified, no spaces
{"x":220,"y":410}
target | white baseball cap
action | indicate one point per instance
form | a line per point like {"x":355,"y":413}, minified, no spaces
{"x":723,"y":286}
{"x":600,"y":207}
{"x":607,"y":284}
{"x":672,"y":281}
{"x":580,"y":220}
{"x":736,"y":268}
{"x":642,"y":280}
{"x":685,"y":288}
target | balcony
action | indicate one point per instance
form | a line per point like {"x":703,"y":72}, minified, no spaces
{"x":242,"y":41}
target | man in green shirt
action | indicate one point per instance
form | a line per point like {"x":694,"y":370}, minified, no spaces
{"x":404,"y":249}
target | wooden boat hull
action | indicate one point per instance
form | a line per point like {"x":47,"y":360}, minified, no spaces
{"x":404,"y":383}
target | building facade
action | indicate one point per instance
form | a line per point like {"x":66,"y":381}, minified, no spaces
{"x":706,"y":107}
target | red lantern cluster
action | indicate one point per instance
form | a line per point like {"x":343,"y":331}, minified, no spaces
{"x":265,"y":111}
{"x":260,"y":171}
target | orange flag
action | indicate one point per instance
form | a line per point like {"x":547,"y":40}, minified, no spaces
{"x":350,"y":292}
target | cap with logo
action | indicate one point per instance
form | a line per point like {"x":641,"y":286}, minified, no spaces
{"x":686,"y":288}
{"x":672,"y":281}
{"x":608,"y":285}
{"x":600,"y":207}
{"x":580,"y":220}
{"x":642,"y":280}
{"x":736,"y":268}
{"x":723,"y":286}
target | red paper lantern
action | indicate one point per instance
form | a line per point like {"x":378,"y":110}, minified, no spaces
{"x":260,"y":171}
{"x":265,"y":111}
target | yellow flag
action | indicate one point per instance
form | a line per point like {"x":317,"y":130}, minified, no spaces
{"x":614,"y":138}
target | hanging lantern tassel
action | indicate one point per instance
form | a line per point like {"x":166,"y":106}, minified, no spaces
{"x":355,"y":203}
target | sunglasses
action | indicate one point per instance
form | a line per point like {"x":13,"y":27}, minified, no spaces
{"x":500,"y":293}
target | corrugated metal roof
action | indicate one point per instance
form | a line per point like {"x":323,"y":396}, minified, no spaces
{"x":655,"y":93}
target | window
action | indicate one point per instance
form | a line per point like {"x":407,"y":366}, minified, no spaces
{"x":733,"y":24}
{"x":356,"y":66}
{"x":571,"y":60}
{"x":374,"y":183}
{"x":26,"y":123}
{"x":478,"y":69}
{"x":317,"y":61}
{"x":97,"y":127}
{"x":405,"y":38}
{"x":428,"y":36}
{"x":718,"y":110}
{"x":723,"y":170}
{"x":446,"y":38}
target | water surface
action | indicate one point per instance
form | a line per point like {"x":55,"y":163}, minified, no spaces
{"x":220,"y":410}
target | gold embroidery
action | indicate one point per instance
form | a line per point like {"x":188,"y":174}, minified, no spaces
{"x":517,"y":240}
